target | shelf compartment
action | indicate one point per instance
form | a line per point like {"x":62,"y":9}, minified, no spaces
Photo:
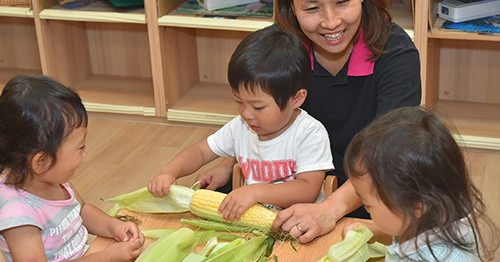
{"x":168,"y":17}
{"x":107,"y":63}
{"x":99,"y":11}
{"x":240,"y":24}
{"x":402,"y":14}
{"x":19,"y":52}
{"x":194,"y":60}
{"x":207,"y":103}
{"x":478,"y":124}
{"x":463,"y":81}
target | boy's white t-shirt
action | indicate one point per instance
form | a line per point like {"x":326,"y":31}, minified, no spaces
{"x":303,"y":147}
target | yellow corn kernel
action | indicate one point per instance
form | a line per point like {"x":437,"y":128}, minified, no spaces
{"x":205,"y":204}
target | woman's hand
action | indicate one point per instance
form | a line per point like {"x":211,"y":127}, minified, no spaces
{"x":160,"y":184}
{"x":306,"y":221}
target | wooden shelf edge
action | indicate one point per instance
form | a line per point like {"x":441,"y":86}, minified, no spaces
{"x":12,"y":11}
{"x":92,"y":16}
{"x":478,"y":142}
{"x":438,"y":32}
{"x":120,"y":109}
{"x":213,"y":23}
{"x":198,"y":117}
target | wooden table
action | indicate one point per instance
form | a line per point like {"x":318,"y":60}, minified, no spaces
{"x":305,"y":252}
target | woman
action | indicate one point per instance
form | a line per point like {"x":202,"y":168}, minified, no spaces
{"x":363,"y":66}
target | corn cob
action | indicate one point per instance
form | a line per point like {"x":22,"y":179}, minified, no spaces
{"x":205,"y":204}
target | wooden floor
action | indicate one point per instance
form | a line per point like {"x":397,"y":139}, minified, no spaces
{"x":124,"y":154}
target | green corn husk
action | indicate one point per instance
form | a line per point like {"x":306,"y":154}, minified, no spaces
{"x":173,"y":247}
{"x":142,"y":200}
{"x":201,"y":236}
{"x":355,"y":247}
{"x":158,"y":233}
{"x":215,"y":225}
{"x":244,"y":251}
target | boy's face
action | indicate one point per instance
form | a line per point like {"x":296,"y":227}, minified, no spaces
{"x":263,"y":115}
{"x":389,"y":221}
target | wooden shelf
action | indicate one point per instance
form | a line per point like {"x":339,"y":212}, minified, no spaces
{"x":96,"y":12}
{"x":240,"y":24}
{"x":402,"y":14}
{"x":19,"y":53}
{"x":127,"y":95}
{"x":7,"y":73}
{"x":478,"y":124}
{"x":437,"y":32}
{"x":13,"y":11}
{"x":460,"y":78}
{"x":207,"y":103}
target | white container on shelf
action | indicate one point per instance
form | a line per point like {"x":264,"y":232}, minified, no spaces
{"x":217,"y":4}
{"x":459,"y":11}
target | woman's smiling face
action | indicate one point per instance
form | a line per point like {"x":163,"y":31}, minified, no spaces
{"x":330,"y":24}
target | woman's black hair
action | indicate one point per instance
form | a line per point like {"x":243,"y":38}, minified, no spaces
{"x":274,"y":61}
{"x":36,"y":115}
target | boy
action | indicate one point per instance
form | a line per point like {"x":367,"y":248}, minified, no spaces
{"x":284,"y":153}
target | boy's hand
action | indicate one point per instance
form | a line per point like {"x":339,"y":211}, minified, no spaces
{"x":237,"y":202}
{"x":213,"y":179}
{"x":160,"y":184}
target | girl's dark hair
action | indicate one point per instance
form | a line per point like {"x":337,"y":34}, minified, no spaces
{"x":36,"y":115}
{"x":376,"y":23}
{"x":412,"y":158}
{"x":273,"y":60}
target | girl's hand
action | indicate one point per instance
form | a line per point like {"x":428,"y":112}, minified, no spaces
{"x":126,"y":232}
{"x":160,"y":184}
{"x":378,"y":235}
{"x":354,"y":226}
{"x":121,"y":251}
{"x":237,"y":202}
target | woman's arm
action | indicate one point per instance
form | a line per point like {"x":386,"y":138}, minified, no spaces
{"x":319,"y":218}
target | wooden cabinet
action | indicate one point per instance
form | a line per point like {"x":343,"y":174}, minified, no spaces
{"x":155,"y":62}
{"x":18,"y":43}
{"x":461,"y":77}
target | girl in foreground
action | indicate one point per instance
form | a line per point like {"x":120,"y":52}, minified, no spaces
{"x":412,"y":178}
{"x":43,"y":126}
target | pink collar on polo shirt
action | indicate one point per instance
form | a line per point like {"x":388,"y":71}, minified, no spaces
{"x":358,"y":63}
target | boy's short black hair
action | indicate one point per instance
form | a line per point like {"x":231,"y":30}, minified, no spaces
{"x":273,"y":60}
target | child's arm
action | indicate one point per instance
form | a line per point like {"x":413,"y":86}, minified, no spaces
{"x":218,"y":176}
{"x":101,"y":224}
{"x":301,"y":190}
{"x":25,"y":243}
{"x":378,"y":234}
{"x":185,"y":163}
